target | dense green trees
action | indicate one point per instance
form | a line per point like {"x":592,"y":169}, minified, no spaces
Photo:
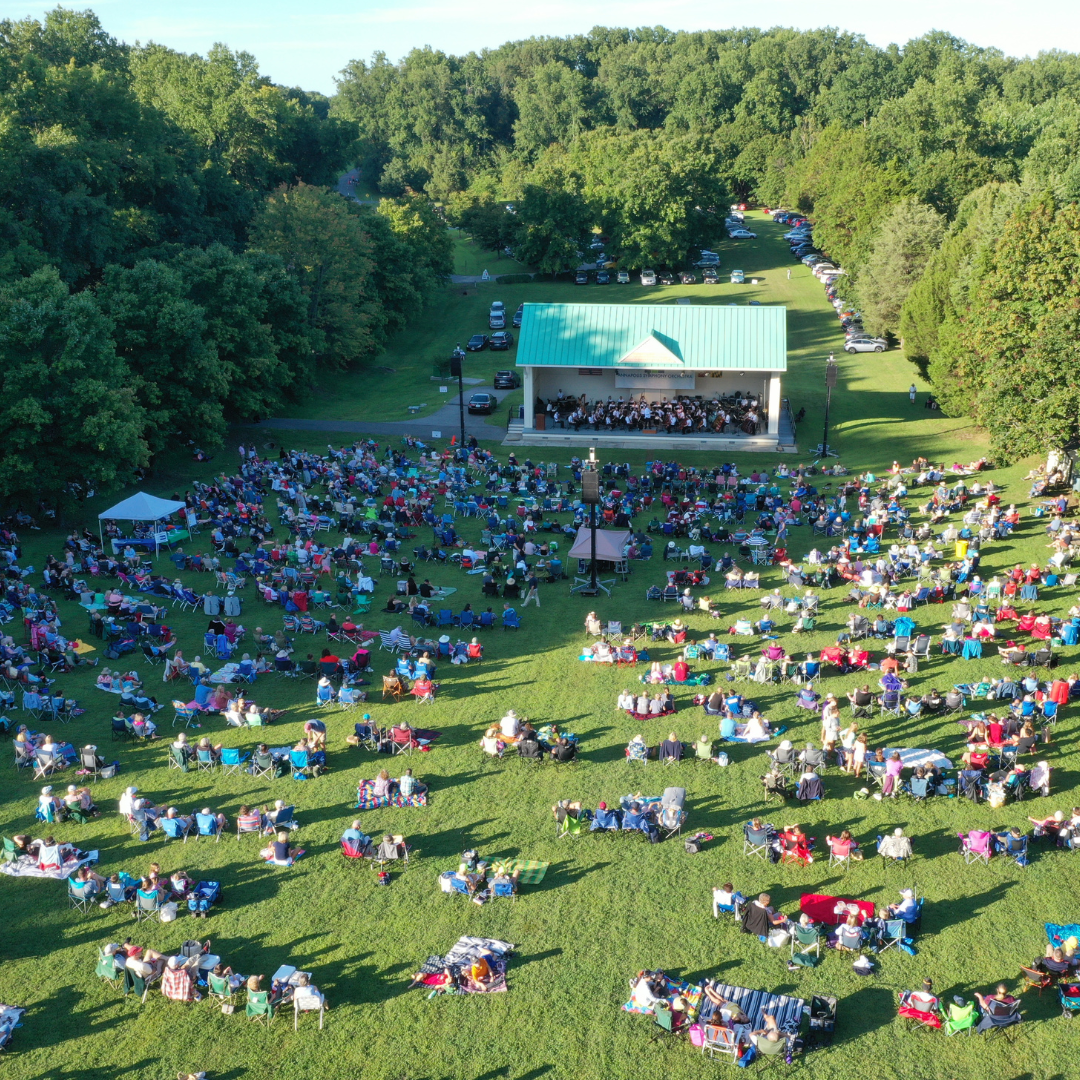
{"x":171,"y":258}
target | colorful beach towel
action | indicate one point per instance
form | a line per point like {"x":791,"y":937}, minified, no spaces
{"x":366,"y":799}
{"x":673,"y":988}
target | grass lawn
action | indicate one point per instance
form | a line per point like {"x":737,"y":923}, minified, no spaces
{"x":609,"y":906}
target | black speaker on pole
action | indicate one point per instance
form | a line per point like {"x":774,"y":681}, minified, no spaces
{"x":590,"y":488}
{"x":455,"y":366}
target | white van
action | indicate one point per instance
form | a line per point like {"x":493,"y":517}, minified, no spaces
{"x":648,"y":277}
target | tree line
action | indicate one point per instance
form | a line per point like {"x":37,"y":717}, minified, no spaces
{"x":173,"y":252}
{"x":943,"y":177}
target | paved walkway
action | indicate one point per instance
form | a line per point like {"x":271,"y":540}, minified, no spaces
{"x":445,"y":419}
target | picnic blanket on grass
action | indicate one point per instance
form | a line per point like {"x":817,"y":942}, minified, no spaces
{"x":823,"y":908}
{"x":755,"y":1003}
{"x":774,"y":733}
{"x":673,"y":988}
{"x":1057,"y":933}
{"x":913,"y":759}
{"x":464,"y":952}
{"x":10,"y":1015}
{"x":24,"y":867}
{"x":225,"y":674}
{"x":530,"y":871}
{"x":367,"y":800}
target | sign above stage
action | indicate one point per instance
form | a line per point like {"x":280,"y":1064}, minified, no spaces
{"x":640,"y":379}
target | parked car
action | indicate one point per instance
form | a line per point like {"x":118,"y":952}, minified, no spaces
{"x":603,"y":277}
{"x":738,"y":277}
{"x":483,"y":403}
{"x":865,"y":344}
{"x":797,"y":234}
{"x":518,"y":314}
{"x":710,"y":275}
{"x":754,"y":303}
{"x":823,"y":266}
{"x":477,"y":342}
{"x":623,"y":277}
{"x":742,"y":234}
{"x":667,"y":277}
{"x":648,"y":277}
{"x":497,"y":308}
{"x":581,"y":277}
{"x":506,"y":380}
{"x":812,"y":259}
{"x":496,"y":322}
{"x":502,"y":340}
{"x":686,"y":278}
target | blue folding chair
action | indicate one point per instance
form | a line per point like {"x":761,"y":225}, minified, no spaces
{"x":232,"y":761}
{"x":174,"y":829}
{"x":207,"y":825}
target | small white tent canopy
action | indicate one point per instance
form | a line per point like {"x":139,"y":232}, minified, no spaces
{"x":140,"y":507}
{"x":609,"y":544}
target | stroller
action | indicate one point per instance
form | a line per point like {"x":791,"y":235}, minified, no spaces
{"x":672,"y":815}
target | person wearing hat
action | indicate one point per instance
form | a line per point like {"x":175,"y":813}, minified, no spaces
{"x":907,"y":909}
{"x":177,"y":982}
{"x":510,"y":727}
{"x":49,"y":807}
{"x":511,"y":590}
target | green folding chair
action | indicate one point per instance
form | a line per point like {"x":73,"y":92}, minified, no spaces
{"x":258,"y":1007}
{"x":961,"y":1018}
{"x":11,"y":852}
{"x":219,"y":988}
{"x":108,"y":971}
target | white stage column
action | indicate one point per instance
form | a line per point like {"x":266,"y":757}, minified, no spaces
{"x":774,"y":405}
{"x":530,"y":398}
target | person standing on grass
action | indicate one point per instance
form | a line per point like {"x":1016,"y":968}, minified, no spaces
{"x":789,"y":273}
{"x":911,"y":393}
{"x":533,"y":593}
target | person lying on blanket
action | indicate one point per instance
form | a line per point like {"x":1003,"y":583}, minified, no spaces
{"x":440,"y":980}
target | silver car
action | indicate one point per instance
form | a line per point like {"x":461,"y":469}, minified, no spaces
{"x":648,"y":277}
{"x":865,"y":344}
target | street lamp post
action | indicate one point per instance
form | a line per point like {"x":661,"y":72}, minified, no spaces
{"x":831,"y":371}
{"x":455,"y":369}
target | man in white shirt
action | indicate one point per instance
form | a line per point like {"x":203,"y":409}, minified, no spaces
{"x":510,"y":725}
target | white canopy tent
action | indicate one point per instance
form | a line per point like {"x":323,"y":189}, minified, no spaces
{"x":140,"y":507}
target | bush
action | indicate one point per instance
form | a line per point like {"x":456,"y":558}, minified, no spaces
{"x":513,"y":279}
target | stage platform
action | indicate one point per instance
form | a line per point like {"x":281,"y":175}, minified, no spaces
{"x":763,"y":443}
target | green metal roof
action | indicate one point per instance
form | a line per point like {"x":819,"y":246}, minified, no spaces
{"x":670,"y":336}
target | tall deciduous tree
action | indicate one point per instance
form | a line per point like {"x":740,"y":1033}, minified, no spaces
{"x":320,"y":237}
{"x":67,"y":407}
{"x":906,"y":238}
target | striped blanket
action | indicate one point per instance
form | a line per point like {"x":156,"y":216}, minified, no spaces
{"x":755,"y":1003}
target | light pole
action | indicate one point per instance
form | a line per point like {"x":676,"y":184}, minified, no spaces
{"x":455,"y":369}
{"x":592,"y":515}
{"x":830,"y":381}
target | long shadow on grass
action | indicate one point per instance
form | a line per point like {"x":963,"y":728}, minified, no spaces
{"x":115,"y":1072}
{"x":864,"y":1011}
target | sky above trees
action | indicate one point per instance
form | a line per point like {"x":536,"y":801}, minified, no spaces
{"x":307,"y":45}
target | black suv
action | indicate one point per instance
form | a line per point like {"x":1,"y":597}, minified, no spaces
{"x":581,"y":277}
{"x":503,"y":339}
{"x":506,"y":380}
